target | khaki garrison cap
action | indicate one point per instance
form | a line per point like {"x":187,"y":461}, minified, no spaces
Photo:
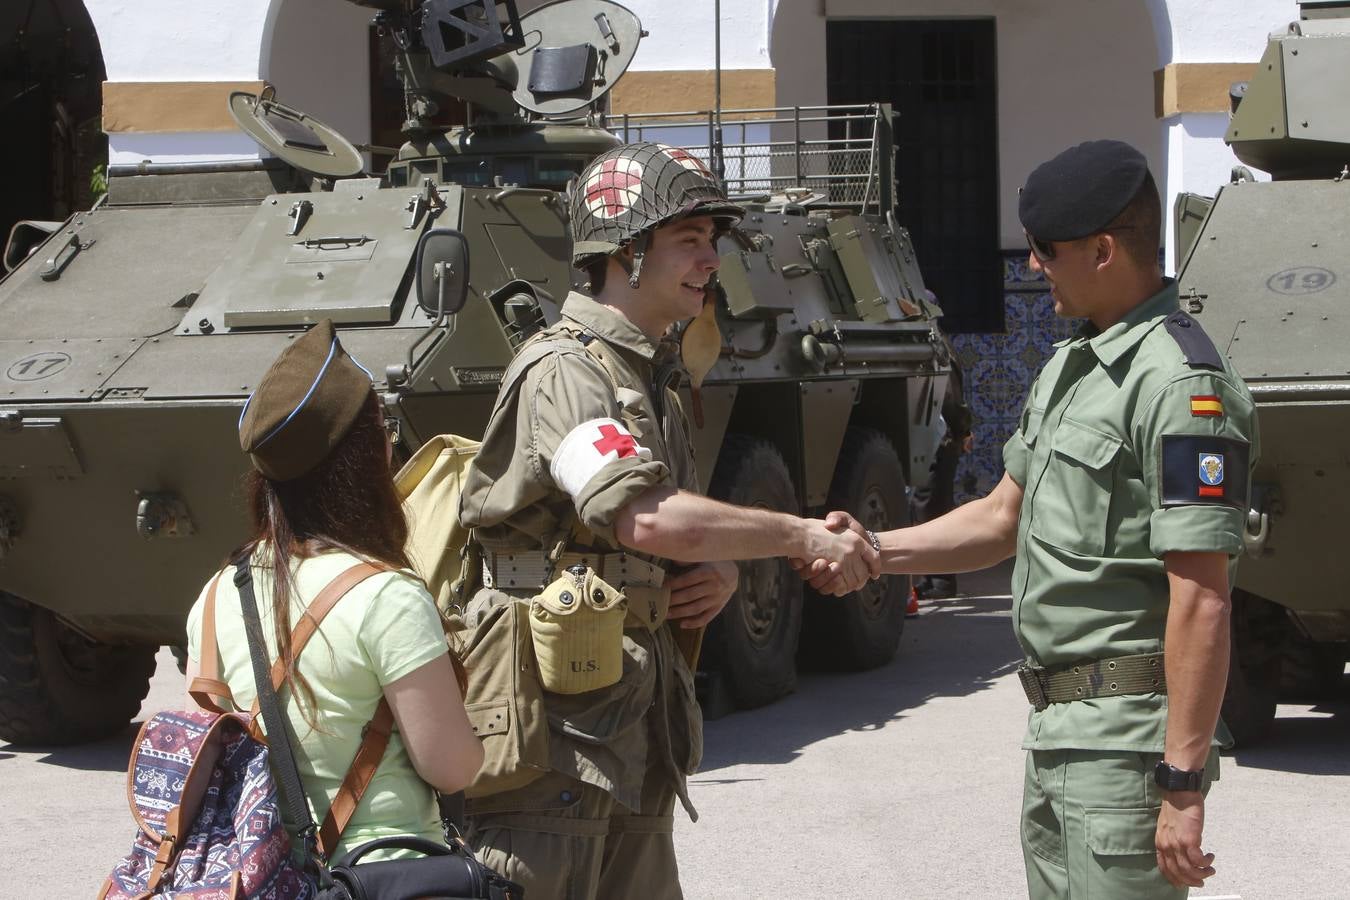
{"x":303,"y":406}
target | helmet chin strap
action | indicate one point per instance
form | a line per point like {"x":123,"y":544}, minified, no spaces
{"x":639,"y":245}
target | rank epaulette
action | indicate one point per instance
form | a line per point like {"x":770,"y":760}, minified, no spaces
{"x":1195,"y":345}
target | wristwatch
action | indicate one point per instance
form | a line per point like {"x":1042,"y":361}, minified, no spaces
{"x":1170,"y":778}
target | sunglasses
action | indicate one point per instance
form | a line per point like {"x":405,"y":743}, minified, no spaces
{"x":1045,"y":250}
{"x":394,"y":429}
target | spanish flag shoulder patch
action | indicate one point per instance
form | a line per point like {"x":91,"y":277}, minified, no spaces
{"x":1206,"y":405}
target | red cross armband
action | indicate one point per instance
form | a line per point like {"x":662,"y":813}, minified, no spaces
{"x":590,"y":447}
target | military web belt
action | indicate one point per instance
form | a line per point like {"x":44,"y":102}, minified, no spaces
{"x":1139,"y":674}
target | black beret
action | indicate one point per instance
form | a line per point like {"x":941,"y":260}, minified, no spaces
{"x":303,"y":406}
{"x":1081,"y":190}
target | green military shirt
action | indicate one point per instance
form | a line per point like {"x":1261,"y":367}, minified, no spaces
{"x":1129,"y":448}
{"x":566,"y":444}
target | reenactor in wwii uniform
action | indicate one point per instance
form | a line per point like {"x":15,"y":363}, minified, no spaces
{"x":1124,"y":500}
{"x":584,"y":510}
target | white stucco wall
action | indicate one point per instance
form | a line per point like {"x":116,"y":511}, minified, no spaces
{"x":167,"y":40}
{"x":1068,"y":71}
{"x":1201,"y":31}
{"x":314,"y":51}
{"x":319,"y":61}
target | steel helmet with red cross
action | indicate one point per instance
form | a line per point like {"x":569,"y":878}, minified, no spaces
{"x":626,"y":193}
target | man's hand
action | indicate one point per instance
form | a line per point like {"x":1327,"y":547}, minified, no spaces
{"x":842,"y":558}
{"x":1180,"y":824}
{"x":818,"y":573}
{"x":698,"y":594}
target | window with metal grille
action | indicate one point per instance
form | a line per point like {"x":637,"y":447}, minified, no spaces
{"x":940,"y":76}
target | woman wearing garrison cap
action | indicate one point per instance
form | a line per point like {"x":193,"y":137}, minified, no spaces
{"x":1124,"y":501}
{"x":322,"y":505}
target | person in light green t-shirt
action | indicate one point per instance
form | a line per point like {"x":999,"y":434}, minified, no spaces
{"x":322,"y":501}
{"x":384,"y":629}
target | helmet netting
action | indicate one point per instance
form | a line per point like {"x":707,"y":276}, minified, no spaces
{"x":635,"y":188}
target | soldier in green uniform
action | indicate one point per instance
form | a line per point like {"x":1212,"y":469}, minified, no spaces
{"x":586,"y":469}
{"x":1124,"y":500}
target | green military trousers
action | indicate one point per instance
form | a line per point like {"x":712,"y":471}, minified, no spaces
{"x":562,"y":839}
{"x":1089,"y":818}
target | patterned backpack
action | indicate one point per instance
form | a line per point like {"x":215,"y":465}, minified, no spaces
{"x":209,"y":820}
{"x":203,"y":795}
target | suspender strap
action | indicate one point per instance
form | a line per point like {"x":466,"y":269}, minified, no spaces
{"x":207,"y":689}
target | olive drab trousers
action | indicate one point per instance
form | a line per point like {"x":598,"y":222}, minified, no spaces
{"x":1089,"y":818}
{"x":562,"y":839}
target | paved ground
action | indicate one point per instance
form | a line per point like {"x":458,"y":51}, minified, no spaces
{"x":899,"y":783}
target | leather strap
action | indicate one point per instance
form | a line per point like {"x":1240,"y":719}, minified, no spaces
{"x":207,"y":689}
{"x":375,"y":735}
{"x":314,"y":614}
{"x":1141,"y":673}
{"x":374,"y":741}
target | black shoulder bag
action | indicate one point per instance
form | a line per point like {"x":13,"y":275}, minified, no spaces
{"x":445,"y":871}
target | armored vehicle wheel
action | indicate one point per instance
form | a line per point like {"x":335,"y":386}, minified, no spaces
{"x":1312,"y":670}
{"x":862,"y":630}
{"x":752,"y":644}
{"x":1258,"y":633}
{"x":59,"y":687}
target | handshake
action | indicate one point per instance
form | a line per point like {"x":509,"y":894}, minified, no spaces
{"x":839,"y":555}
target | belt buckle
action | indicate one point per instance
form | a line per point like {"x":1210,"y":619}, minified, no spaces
{"x":1032,"y":687}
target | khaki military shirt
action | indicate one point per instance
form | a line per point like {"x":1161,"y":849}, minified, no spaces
{"x":1126,"y":451}
{"x":566,"y":444}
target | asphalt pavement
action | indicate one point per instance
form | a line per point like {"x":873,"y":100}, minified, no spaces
{"x":903,"y":782}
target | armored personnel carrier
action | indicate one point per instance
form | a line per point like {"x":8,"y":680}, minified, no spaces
{"x":131,"y":334}
{"x":1265,"y":269}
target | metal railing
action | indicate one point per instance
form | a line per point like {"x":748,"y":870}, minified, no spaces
{"x":844,"y":154}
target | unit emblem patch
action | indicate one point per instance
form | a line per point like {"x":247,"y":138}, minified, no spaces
{"x":1211,"y":475}
{"x":1199,"y":469}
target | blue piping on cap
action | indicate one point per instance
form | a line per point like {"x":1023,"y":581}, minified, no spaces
{"x":332,"y":350}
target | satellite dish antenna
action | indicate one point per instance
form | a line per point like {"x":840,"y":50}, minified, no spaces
{"x":574,"y":52}
{"x":297,"y":138}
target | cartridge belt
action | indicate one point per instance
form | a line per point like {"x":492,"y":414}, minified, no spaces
{"x":639,"y":580}
{"x":1090,"y":678}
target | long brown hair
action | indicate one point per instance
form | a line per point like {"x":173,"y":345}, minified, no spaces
{"x":345,"y":503}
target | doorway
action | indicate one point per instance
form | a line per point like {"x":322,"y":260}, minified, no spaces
{"x":51,"y":100}
{"x":940,"y":77}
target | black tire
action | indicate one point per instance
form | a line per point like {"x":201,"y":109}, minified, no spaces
{"x":1257,"y":635}
{"x":59,"y":687}
{"x":862,"y":630}
{"x":752,"y":645}
{"x":1312,"y":670}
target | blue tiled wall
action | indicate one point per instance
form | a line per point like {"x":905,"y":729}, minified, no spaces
{"x":999,"y":368}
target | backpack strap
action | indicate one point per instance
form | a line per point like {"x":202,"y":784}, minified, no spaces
{"x":374,"y":741}
{"x":374,"y":736}
{"x":207,"y":689}
{"x":314,"y":614}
